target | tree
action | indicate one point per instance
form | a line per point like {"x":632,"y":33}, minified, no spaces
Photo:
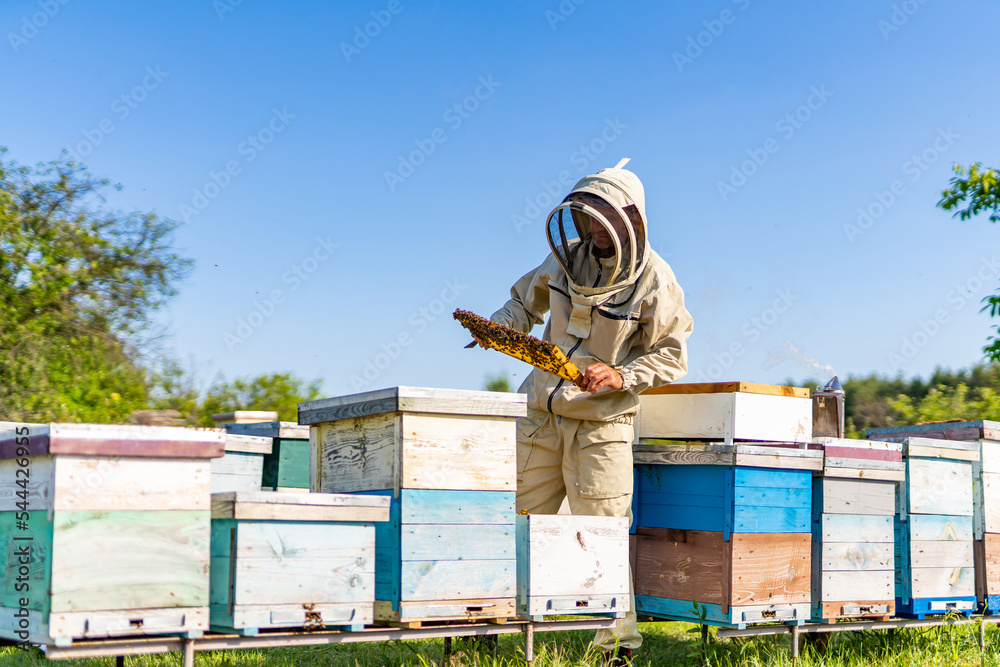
{"x":978,"y":190}
{"x":78,"y":283}
{"x":278,"y":392}
{"x":944,"y":403}
{"x":498,"y":382}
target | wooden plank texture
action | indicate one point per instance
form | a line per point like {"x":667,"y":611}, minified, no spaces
{"x":358,"y":454}
{"x":939,"y":582}
{"x":118,"y":440}
{"x":457,"y":542}
{"x":349,"y":578}
{"x":940,"y":553}
{"x":456,"y":507}
{"x":95,"y":483}
{"x":36,"y":540}
{"x":573,"y":555}
{"x":939,"y":527}
{"x":939,"y":487}
{"x":458,"y":452}
{"x":848,"y":496}
{"x":868,"y":585}
{"x":682,"y":564}
{"x":129,"y":560}
{"x":458,"y":579}
{"x":269,"y":506}
{"x":957,"y":430}
{"x":770,"y":568}
{"x":728,"y":387}
{"x":38,"y":477}
{"x":289,"y":430}
{"x":414,"y":399}
{"x":850,"y":528}
{"x":991,"y":564}
{"x":856,"y":557}
{"x":445,"y":610}
{"x":248,"y":444}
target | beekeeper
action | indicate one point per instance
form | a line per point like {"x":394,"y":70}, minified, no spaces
{"x":617,"y":311}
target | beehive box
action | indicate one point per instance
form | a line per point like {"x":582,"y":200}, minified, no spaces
{"x":289,"y":560}
{"x":726,"y":411}
{"x":933,"y":525}
{"x":241,"y":467}
{"x":854,"y":502}
{"x":724,"y":531}
{"x":447,"y":458}
{"x":570,"y":565}
{"x":286,"y":467}
{"x":985,"y":496}
{"x":110,"y":530}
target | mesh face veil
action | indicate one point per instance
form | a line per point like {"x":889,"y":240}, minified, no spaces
{"x":600,"y":245}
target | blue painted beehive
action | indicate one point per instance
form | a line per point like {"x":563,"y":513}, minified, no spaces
{"x":933,"y":528}
{"x":447,"y":460}
{"x":293,"y":560}
{"x":723,"y":531}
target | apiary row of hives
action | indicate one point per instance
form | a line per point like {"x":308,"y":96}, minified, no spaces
{"x":399,"y":508}
{"x":742,"y":516}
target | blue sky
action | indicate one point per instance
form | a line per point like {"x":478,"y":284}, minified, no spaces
{"x":349,"y":173}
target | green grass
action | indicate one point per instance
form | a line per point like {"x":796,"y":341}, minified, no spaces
{"x":664,"y":644}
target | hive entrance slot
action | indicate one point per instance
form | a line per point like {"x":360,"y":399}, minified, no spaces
{"x":135,"y":622}
{"x":581,"y":603}
{"x":768,"y":614}
{"x":473,"y":609}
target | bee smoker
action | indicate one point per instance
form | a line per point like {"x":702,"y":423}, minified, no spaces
{"x":828,"y":410}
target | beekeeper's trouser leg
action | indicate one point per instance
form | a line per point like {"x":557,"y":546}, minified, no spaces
{"x":590,"y":462}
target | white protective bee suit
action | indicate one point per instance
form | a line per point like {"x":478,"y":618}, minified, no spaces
{"x":619,"y":305}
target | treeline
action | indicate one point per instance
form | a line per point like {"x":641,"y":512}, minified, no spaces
{"x":874,"y":401}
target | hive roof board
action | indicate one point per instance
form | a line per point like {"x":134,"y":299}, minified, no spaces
{"x":971,"y":430}
{"x":250,"y":444}
{"x":113,"y":440}
{"x":728,"y":387}
{"x":750,"y":454}
{"x":285,"y":430}
{"x":268,"y":505}
{"x":414,"y":399}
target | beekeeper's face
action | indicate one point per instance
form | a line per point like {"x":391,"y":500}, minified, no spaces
{"x":600,"y":233}
{"x":586,"y":224}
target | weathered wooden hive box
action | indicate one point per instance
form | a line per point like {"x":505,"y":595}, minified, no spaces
{"x":570,"y":565}
{"x":286,"y":467}
{"x":284,"y":560}
{"x":241,"y":467}
{"x":447,"y":459}
{"x":108,"y":531}
{"x":985,"y":495}
{"x":724,"y":531}
{"x":933,"y":528}
{"x":726,"y":411}
{"x":854,"y":502}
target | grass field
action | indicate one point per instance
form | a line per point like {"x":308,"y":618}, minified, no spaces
{"x":665,"y":644}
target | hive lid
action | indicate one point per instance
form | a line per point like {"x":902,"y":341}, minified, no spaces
{"x":274,"y":506}
{"x":959,"y":450}
{"x":289,"y":430}
{"x":415,"y":399}
{"x":728,"y":387}
{"x":957,"y":430}
{"x":749,"y":454}
{"x":113,"y":440}
{"x":862,"y":459}
{"x":249,"y":444}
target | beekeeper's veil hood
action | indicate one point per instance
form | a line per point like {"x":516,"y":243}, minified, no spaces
{"x":598,"y":236}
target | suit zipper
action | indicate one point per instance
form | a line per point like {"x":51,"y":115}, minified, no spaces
{"x":561,"y":380}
